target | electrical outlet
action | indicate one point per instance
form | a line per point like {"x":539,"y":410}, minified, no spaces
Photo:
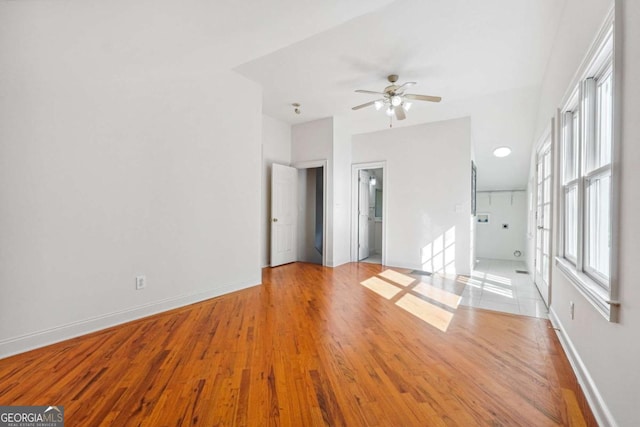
{"x":572,"y":309}
{"x":141,"y":282}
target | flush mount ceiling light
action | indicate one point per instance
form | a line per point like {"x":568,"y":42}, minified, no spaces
{"x":395,"y":101}
{"x":502,"y":151}
{"x":372,"y":180}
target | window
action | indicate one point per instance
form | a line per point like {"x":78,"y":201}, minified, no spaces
{"x":586,"y":189}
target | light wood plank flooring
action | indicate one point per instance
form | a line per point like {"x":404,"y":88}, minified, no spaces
{"x":310,"y":347}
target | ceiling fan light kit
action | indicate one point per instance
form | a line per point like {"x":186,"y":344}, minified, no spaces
{"x":394,"y":99}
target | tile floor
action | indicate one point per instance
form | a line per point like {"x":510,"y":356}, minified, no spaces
{"x":495,"y":285}
{"x":373,"y":259}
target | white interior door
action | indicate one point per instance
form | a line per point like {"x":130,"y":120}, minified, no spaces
{"x":284,"y":218}
{"x":363,"y":214}
{"x":543,"y":221}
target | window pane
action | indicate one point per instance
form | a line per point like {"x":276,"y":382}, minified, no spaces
{"x":546,"y":217}
{"x":547,"y":164}
{"x":540,"y":176}
{"x":597,"y":226}
{"x":540,"y":200}
{"x":604,"y":119}
{"x":575,"y":134}
{"x":545,"y":257}
{"x":571,"y":222}
{"x":547,"y":191}
{"x":570,"y":146}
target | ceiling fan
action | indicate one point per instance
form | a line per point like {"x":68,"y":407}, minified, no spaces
{"x":394,"y":100}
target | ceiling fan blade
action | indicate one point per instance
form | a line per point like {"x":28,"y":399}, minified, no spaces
{"x":402,"y":87}
{"x":357,"y":107}
{"x":369,"y":91}
{"x":400,"y":115}
{"x":423,"y":97}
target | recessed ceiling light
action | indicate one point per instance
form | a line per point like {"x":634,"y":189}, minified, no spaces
{"x":502,"y":151}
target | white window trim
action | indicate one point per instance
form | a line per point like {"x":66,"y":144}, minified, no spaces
{"x":605,"y":301}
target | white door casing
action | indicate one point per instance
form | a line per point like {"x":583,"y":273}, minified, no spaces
{"x":319,"y":164}
{"x":284,"y":188}
{"x":363,"y":215}
{"x":355,"y":189}
{"x":543,"y":221}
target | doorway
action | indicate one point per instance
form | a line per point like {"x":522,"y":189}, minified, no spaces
{"x":368,"y":207}
{"x":298,"y":213}
{"x":543,"y":219}
{"x":310,"y":215}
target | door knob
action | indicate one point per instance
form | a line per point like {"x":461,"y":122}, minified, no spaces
{"x":275,"y":219}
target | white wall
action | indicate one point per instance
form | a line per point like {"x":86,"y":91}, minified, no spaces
{"x":514,"y":110}
{"x":493,"y":241}
{"x":427,"y":184}
{"x":608,"y":353}
{"x":312,"y":141}
{"x":341,"y":190}
{"x":114,"y":165}
{"x":276,"y":148}
{"x":377,"y":237}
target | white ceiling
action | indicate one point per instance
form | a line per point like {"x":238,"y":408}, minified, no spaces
{"x":485,"y":58}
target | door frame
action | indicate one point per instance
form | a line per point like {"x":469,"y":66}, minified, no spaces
{"x":319,"y":164}
{"x":355,"y":169}
{"x":366,"y":175}
{"x":547,"y":141}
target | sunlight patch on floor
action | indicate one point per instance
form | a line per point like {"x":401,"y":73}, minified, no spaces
{"x":430,"y":313}
{"x":430,"y":303}
{"x":381,"y":287}
{"x":437,"y":294}
{"x":474,"y":283}
{"x":498,"y":279}
{"x":498,"y":290}
{"x":399,"y":278}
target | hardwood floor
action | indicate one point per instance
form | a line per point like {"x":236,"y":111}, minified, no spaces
{"x":312,"y":346}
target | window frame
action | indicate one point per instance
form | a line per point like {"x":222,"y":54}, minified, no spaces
{"x":571,"y":109}
{"x":603,"y":57}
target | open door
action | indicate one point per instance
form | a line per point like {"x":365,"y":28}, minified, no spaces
{"x":368,"y":213}
{"x":363,"y":214}
{"x":284,"y":187}
{"x":543,"y":221}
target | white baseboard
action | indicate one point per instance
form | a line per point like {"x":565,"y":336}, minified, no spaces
{"x":338,"y":263}
{"x":16,"y":345}
{"x":596,"y":402}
